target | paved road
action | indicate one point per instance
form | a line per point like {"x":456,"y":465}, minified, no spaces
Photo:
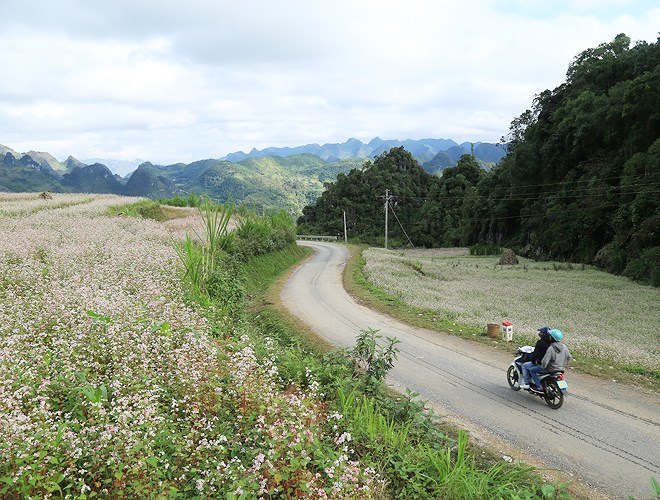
{"x":606,"y":435}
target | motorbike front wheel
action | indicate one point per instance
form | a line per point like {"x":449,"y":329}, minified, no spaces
{"x":512,"y":378}
{"x":554,"y":397}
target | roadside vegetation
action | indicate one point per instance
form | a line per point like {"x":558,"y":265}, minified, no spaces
{"x":132,"y":366}
{"x":610,"y":322}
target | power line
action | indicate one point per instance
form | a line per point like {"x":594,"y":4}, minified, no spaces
{"x":524,"y":192}
{"x":401,"y":225}
{"x":540,"y":214}
{"x":592,"y":192}
{"x":520,"y":216}
{"x":600,"y":179}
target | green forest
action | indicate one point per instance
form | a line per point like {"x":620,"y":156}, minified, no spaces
{"x":580,"y":181}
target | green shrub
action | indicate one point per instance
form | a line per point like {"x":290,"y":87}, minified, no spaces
{"x":176,"y":201}
{"x":192,"y":200}
{"x":225,"y":286}
{"x":261,"y":235}
{"x":255,"y":237}
{"x":145,"y":209}
{"x":646,"y":267}
{"x":372,"y":359}
{"x":486,"y":249}
{"x":616,"y":256}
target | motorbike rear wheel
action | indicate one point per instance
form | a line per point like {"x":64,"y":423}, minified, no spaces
{"x":554,"y":397}
{"x":512,"y":378}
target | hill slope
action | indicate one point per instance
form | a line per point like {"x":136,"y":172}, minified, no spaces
{"x":24,"y":174}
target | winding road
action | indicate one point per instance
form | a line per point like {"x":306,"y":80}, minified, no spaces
{"x":606,"y":436}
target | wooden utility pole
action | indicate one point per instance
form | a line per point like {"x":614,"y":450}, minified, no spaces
{"x":387,"y":197}
{"x":345,"y":234}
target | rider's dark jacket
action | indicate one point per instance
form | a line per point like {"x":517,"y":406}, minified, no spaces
{"x":540,"y":349}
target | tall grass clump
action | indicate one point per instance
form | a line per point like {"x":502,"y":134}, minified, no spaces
{"x":486,"y":249}
{"x":425,"y":464}
{"x":201,"y":255}
{"x":192,"y":200}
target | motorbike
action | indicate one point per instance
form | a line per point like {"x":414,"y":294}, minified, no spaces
{"x":553,"y":384}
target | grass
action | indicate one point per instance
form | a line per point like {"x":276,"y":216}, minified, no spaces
{"x":609,"y":321}
{"x":360,"y":287}
{"x":264,"y":270}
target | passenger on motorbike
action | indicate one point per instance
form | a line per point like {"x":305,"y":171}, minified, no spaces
{"x":554,"y":360}
{"x":534,"y":363}
{"x":557,"y":355}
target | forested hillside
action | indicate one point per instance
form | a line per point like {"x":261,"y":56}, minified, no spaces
{"x":580,"y":182}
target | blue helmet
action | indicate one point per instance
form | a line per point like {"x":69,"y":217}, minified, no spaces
{"x":556,"y":335}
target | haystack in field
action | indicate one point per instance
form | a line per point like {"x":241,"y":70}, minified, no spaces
{"x":508,"y":258}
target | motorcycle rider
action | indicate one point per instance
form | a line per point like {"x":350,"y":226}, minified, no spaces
{"x":540,"y":350}
{"x":554,"y":360}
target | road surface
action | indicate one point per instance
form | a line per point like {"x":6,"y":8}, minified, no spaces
{"x":606,"y":435}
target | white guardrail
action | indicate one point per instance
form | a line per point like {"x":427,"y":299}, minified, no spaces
{"x":315,"y":237}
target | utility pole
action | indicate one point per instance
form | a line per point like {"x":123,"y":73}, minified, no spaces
{"x":345,"y":234}
{"x":387,"y":197}
{"x":387,"y":200}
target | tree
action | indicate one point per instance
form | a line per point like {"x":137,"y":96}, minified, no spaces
{"x":360,"y":194}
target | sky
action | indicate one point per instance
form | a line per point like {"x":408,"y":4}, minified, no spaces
{"x":171,"y":81}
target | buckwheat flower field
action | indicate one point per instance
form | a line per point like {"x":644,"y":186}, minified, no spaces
{"x":111,"y":385}
{"x":602,"y":315}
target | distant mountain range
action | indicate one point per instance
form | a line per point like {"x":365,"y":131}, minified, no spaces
{"x":273,"y":178}
{"x":424,"y":150}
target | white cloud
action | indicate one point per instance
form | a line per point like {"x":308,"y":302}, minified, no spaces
{"x":170,"y":81}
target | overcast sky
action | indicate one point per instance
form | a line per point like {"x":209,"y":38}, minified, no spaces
{"x":173,"y":80}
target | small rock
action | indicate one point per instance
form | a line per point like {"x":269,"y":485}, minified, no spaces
{"x":507,"y":458}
